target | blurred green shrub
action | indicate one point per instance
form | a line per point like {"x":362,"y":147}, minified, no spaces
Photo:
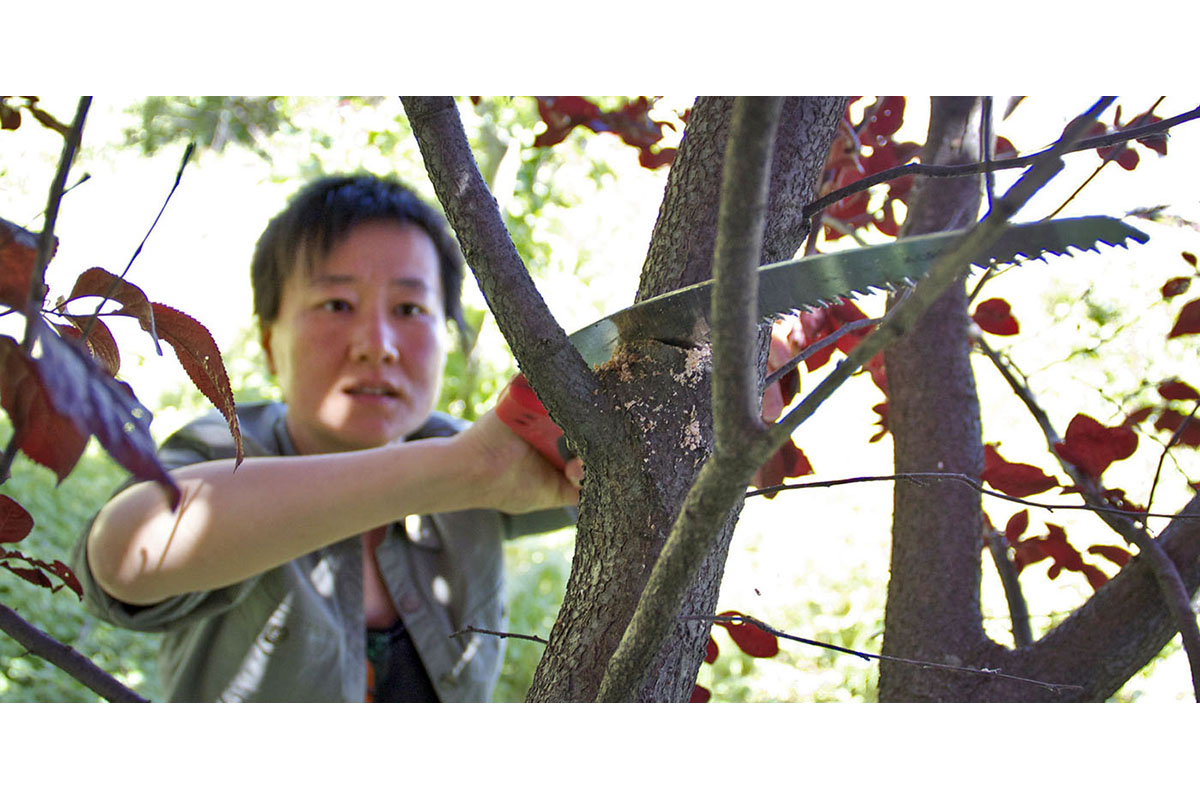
{"x":60,"y":514}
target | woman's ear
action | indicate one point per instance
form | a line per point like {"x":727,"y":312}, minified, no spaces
{"x":264,"y":339}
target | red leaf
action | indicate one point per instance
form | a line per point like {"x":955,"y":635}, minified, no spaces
{"x":1117,"y":499}
{"x":853,"y":209}
{"x":1188,"y":321}
{"x":700,"y":694}
{"x":888,"y":117}
{"x":877,"y":369}
{"x":1017,"y":480}
{"x":34,"y":576}
{"x":1028,"y":552}
{"x":753,"y":640}
{"x":1128,"y":159}
{"x":995,"y":316}
{"x":64,"y":573}
{"x":787,"y":462}
{"x":653,"y":159}
{"x":15,"y":521}
{"x":201,"y":359}
{"x":1171,"y":420}
{"x":1056,"y":545}
{"x":1117,"y":555}
{"x":18,"y":258}
{"x":47,"y":437}
{"x":10,"y":118}
{"x":887,"y":225}
{"x":1138,"y":417}
{"x":1016,"y":526}
{"x":561,"y":115}
{"x":75,"y":387}
{"x":1092,"y":447}
{"x":1175,"y":287}
{"x":1177,"y":390}
{"x":632,"y":123}
{"x":1004,"y":147}
{"x":1094,"y":576}
{"x":711,"y":651}
{"x":97,"y":282}
{"x":100,"y":342}
{"x":1189,"y":257}
{"x":882,"y":410}
{"x":825,"y":322}
{"x":1157,"y":141}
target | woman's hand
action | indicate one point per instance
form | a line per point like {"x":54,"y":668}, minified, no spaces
{"x":510,"y":475}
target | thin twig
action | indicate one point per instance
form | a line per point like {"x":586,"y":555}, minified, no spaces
{"x":501,"y":634}
{"x":46,"y":238}
{"x":952,"y":171}
{"x":819,"y":345}
{"x":1175,"y":437}
{"x":985,"y":138}
{"x":45,"y":247}
{"x":985,"y":672}
{"x":116,"y":281}
{"x":917,"y":477}
{"x":1108,"y":160}
{"x":1018,"y":609}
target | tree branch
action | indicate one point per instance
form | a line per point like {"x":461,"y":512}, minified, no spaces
{"x":1174,"y":591}
{"x":1018,"y":609}
{"x":69,"y":660}
{"x":554,"y":367}
{"x":942,"y":171}
{"x":991,"y":673}
{"x":1123,"y":625}
{"x":740,"y":221}
{"x":724,"y":476}
{"x":37,"y":282}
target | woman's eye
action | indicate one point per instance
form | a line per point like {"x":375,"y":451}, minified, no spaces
{"x":335,"y":304}
{"x":409,"y":310}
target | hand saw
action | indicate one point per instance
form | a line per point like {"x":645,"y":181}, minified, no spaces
{"x":682,"y":316}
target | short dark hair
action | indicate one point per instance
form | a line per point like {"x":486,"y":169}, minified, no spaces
{"x":322,"y":215}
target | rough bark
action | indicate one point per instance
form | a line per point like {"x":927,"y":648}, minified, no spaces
{"x":630,"y":499}
{"x":932,"y":611}
{"x":681,"y":247}
{"x":1106,"y":641}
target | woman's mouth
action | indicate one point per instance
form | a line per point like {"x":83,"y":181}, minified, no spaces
{"x":373,"y":390}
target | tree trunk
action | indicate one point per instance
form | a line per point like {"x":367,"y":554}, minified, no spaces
{"x":932,"y":611}
{"x":630,"y":500}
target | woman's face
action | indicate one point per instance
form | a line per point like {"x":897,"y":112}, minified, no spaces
{"x":358,"y":346}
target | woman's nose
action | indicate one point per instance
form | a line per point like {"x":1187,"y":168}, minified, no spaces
{"x":374,"y":340}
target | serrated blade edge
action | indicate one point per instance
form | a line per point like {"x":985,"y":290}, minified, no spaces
{"x":682,"y":316}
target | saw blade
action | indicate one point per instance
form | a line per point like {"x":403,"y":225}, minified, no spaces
{"x":682,"y":316}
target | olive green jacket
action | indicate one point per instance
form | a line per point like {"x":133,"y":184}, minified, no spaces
{"x":297,"y":633}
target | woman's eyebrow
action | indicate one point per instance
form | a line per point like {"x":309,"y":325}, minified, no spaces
{"x":325,"y":279}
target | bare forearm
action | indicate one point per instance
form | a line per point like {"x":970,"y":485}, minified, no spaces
{"x":231,"y":525}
